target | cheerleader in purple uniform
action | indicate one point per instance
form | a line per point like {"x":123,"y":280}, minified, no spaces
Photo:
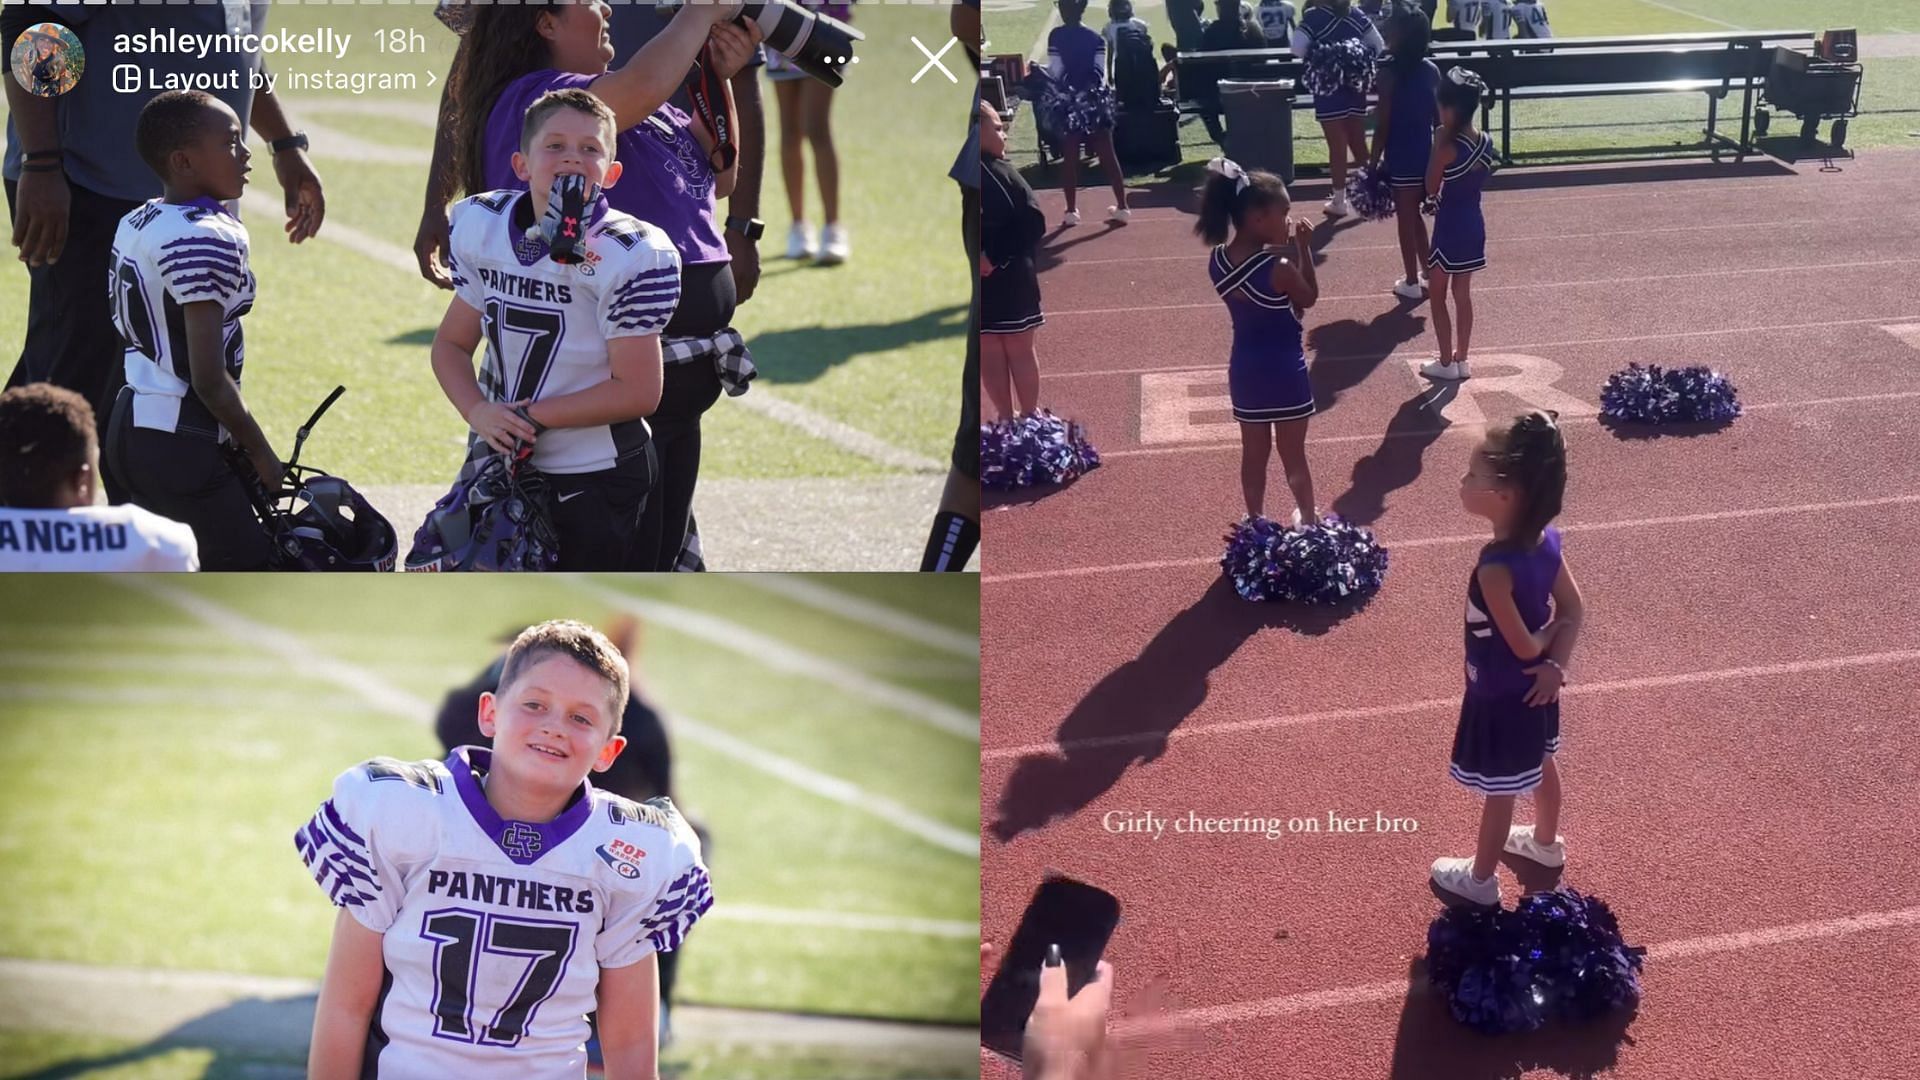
{"x":1265,"y":275}
{"x":1517,"y":651}
{"x":1342,"y":114}
{"x":1082,"y":106}
{"x":1403,"y":134}
{"x":1462,"y":160}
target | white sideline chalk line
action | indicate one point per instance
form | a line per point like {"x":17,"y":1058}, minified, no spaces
{"x":771,"y":652}
{"x":396,"y":702}
{"x":1739,"y":941}
{"x":1675,"y":335}
{"x":802,"y":590}
{"x":1481,"y":537}
{"x":1409,"y":708}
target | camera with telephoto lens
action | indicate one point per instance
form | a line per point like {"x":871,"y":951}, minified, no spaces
{"x":817,"y":44}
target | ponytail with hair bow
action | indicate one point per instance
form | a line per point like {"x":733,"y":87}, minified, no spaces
{"x":1230,"y":169}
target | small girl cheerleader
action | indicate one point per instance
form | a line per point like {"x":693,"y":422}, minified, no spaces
{"x":1462,"y":160}
{"x":1011,"y":225}
{"x":1082,"y":106}
{"x":1403,"y":134}
{"x":1343,"y":113}
{"x":1265,"y":275}
{"x":1517,"y":651}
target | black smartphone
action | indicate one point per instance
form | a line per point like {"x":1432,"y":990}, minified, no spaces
{"x":1077,"y":917}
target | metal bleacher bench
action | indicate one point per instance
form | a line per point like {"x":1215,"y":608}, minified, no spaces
{"x":1714,"y":64}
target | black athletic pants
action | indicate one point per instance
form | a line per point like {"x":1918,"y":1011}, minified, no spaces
{"x":598,"y":513}
{"x":71,"y":341}
{"x":186,"y":477}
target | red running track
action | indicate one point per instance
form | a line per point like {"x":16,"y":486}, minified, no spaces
{"x":1743,"y":778}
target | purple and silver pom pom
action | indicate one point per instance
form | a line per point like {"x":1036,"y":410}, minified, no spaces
{"x":1341,"y":65}
{"x":1039,"y":448}
{"x":1369,"y":193}
{"x":1656,"y":395}
{"x":1430,"y":205}
{"x":1556,"y":956}
{"x":1327,"y":562}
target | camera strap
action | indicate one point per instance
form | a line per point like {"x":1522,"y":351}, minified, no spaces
{"x":704,"y":90}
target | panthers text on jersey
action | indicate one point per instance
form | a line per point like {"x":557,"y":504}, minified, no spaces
{"x":547,"y":324}
{"x":495,"y":931}
{"x":166,"y":255}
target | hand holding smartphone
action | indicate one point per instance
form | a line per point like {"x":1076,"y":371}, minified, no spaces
{"x":1067,"y":924}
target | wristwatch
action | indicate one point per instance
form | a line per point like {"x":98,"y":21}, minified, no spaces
{"x":295,"y":141}
{"x":751,"y":228}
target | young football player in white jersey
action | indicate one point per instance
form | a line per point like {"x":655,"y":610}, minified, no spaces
{"x":180,"y":286}
{"x":1528,"y":19}
{"x":49,"y":459}
{"x":490,"y":901}
{"x":570,"y":296}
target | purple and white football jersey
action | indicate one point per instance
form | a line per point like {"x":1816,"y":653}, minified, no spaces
{"x":166,"y":255}
{"x":546,"y":324}
{"x":495,"y":931}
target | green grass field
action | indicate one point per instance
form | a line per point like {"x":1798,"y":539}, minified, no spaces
{"x":875,"y":344}
{"x":161,"y":766}
{"x":1546,"y":131}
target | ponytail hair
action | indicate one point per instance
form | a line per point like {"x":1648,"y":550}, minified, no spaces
{"x":1229,"y":193}
{"x":1530,"y":457}
{"x":1412,"y":37}
{"x":1461,"y":91}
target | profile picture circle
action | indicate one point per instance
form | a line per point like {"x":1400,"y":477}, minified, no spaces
{"x":47,"y":60}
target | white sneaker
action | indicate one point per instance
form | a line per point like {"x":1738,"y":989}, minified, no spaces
{"x":1445,"y":370}
{"x":1410,"y":290}
{"x":799,"y":242}
{"x":834,"y":246}
{"x":1337,"y":206}
{"x":1119,"y":215}
{"x":1456,"y":877}
{"x":1300,"y":519}
{"x":1071,"y":217}
{"x":1520,"y":842}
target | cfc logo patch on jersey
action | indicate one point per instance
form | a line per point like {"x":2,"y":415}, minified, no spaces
{"x":520,"y":840}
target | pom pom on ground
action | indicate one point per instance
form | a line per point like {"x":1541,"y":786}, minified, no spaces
{"x":1656,"y":395}
{"x":1369,"y":193}
{"x":1340,"y":65}
{"x":1039,"y":448}
{"x":1556,"y":956}
{"x":1326,"y":562}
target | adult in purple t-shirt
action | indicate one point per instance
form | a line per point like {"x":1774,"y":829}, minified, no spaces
{"x":674,"y":176}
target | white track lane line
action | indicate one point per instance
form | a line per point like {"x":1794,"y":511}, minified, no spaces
{"x":802,"y":589}
{"x":1481,"y":537}
{"x":1740,"y":941}
{"x":1536,"y":286}
{"x":396,"y":702}
{"x":1414,"y":708}
{"x":1232,"y":443}
{"x":778,"y":655}
{"x":1524,"y":346}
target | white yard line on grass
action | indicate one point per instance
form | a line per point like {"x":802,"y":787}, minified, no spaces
{"x":301,"y":656}
{"x":275,"y":1015}
{"x":832,"y":788}
{"x":1481,"y":537}
{"x":1693,"y":14}
{"x":759,"y":400}
{"x":843,"y":920}
{"x":778,"y":655}
{"x":1737,"y":942}
{"x":804,"y":590}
